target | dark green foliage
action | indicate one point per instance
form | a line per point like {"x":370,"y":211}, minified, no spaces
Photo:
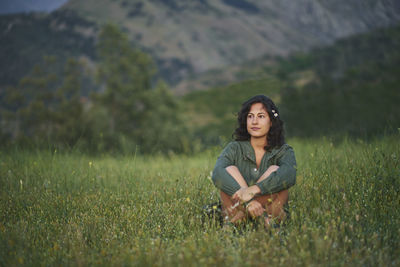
{"x":128,"y":115}
{"x":125,"y":73}
{"x":44,"y":108}
{"x":70,"y":116}
{"x":295,"y":62}
{"x":355,"y":91}
{"x":133,"y":114}
{"x":360,"y":51}
{"x":348,"y":89}
{"x":335,"y":91}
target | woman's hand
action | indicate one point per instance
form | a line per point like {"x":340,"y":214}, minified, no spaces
{"x":246,"y":194}
{"x":255,"y":209}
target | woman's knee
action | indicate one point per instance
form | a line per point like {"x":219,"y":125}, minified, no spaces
{"x":283,"y":195}
{"x":279,"y":198}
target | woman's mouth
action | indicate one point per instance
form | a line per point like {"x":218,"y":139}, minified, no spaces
{"x":255,"y":128}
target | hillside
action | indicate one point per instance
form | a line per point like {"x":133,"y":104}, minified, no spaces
{"x":346,"y":89}
{"x":26,"y":38}
{"x":349,"y":88}
{"x":191,"y":37}
{"x":188,"y":38}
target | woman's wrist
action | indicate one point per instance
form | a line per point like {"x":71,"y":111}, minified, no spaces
{"x":255,"y":190}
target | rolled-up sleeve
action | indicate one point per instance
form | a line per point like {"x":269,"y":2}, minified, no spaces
{"x":284,"y":177}
{"x":221,"y":178}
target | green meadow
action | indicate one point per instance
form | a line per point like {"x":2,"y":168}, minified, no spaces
{"x":69,"y":208}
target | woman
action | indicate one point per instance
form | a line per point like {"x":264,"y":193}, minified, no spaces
{"x":257,"y":168}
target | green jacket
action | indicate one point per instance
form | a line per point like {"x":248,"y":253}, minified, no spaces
{"x":241,"y":154}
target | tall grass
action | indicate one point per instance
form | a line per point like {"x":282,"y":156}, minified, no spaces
{"x":72,"y":209}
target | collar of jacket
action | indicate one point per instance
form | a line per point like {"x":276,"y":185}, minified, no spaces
{"x":248,"y":151}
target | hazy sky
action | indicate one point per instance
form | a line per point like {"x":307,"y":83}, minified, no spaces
{"x":19,"y":6}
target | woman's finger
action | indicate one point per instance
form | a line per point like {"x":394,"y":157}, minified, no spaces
{"x":261,"y":211}
{"x":235,"y":196}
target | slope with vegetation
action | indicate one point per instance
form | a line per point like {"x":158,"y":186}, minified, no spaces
{"x":187,"y":38}
{"x":130,"y":114}
{"x":25,"y":39}
{"x":350,"y":88}
{"x":190,"y":37}
{"x":354,"y":87}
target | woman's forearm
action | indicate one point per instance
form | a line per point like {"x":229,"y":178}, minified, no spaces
{"x":235,"y":173}
{"x":268,"y":172}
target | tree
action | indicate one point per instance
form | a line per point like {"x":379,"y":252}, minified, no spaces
{"x":136,"y":114}
{"x":69,"y":115}
{"x":126,"y":75}
{"x":28,"y":107}
{"x":44,"y":107}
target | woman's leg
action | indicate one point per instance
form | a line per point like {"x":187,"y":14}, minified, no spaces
{"x":274,"y":203}
{"x":274,"y":206}
{"x":231,"y":208}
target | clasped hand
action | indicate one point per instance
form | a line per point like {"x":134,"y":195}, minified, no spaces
{"x":246,"y":194}
{"x":243,"y":195}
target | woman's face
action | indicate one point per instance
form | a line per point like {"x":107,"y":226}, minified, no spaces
{"x":258,"y":121}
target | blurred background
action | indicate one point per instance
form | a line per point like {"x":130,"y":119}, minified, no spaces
{"x":169,"y":76}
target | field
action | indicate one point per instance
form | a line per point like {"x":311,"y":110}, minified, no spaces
{"x":74,"y":209}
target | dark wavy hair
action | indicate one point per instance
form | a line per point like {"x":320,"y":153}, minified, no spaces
{"x":275,"y":137}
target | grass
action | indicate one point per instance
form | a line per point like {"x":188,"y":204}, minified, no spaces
{"x":72,"y":209}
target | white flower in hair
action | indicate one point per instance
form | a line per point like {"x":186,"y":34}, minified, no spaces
{"x":275,"y":114}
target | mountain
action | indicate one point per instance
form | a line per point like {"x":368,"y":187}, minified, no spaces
{"x":23,"y":6}
{"x":189,"y":38}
